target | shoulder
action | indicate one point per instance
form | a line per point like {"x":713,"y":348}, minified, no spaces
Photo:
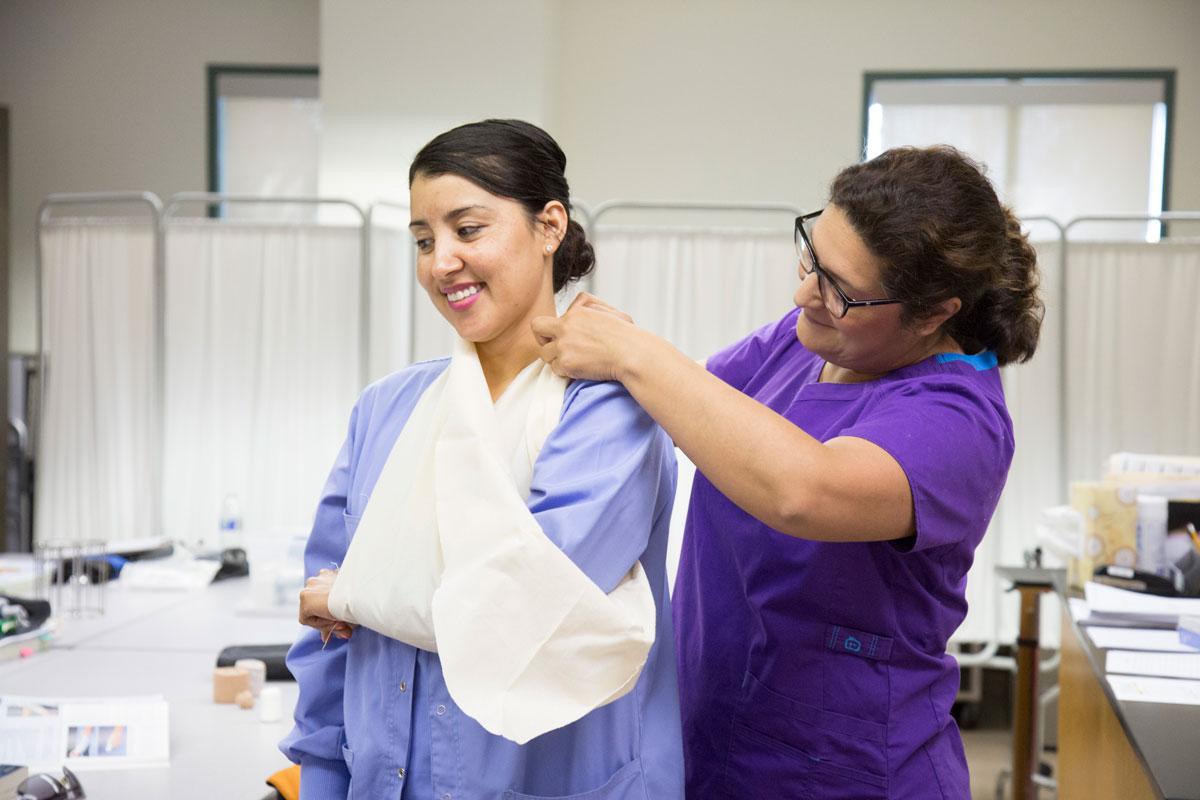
{"x":400,"y":389}
{"x":602,"y":402}
{"x":737,"y":363}
{"x":949,"y":399}
{"x":603,"y":424}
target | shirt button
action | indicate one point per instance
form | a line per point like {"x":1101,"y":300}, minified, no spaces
{"x":441,"y":710}
{"x":403,"y":686}
{"x":447,"y":796}
{"x":400,"y":772}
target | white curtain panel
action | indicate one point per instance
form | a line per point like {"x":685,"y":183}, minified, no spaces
{"x":1034,"y":483}
{"x":98,"y":456}
{"x":1133,"y":363}
{"x":262,"y":360}
{"x":395,"y":297}
{"x":393,"y":290}
{"x":700,"y":289}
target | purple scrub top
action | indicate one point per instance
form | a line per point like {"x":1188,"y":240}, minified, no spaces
{"x":816,"y":669}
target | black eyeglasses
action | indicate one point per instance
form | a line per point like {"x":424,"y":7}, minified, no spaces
{"x":835,"y":299}
{"x":49,"y":787}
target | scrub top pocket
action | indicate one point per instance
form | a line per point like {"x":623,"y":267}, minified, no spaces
{"x":625,"y":784}
{"x":855,"y":677}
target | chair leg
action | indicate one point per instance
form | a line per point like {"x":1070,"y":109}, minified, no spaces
{"x":1001,"y":783}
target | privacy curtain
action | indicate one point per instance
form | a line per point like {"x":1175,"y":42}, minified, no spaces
{"x":262,"y":369}
{"x":98,"y":450}
{"x":393,"y":285}
{"x":700,"y":289}
{"x":1133,"y":361}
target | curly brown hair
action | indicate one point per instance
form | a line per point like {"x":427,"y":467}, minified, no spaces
{"x":934,"y":218}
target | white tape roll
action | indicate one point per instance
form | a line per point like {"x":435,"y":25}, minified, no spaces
{"x":258,"y":673}
{"x":270,"y":704}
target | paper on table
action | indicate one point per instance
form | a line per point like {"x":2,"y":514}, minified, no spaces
{"x":1166,"y":641}
{"x":1079,"y":608}
{"x":84,"y":732}
{"x":1141,"y":689}
{"x":1103,"y":599}
{"x":1165,"y":665}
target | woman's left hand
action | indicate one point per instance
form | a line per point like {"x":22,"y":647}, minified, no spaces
{"x":591,"y":341}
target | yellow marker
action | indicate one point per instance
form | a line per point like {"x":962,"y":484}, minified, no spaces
{"x":1191,"y":529}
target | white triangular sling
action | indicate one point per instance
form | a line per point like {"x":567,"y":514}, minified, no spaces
{"x":447,"y":557}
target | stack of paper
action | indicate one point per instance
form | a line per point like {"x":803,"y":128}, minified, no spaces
{"x":1162,"y":665}
{"x":1134,"y":688}
{"x":1110,"y":604}
{"x":1161,"y":640}
{"x":177,"y":573}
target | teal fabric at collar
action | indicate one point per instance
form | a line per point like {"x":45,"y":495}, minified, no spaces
{"x":980,"y":361}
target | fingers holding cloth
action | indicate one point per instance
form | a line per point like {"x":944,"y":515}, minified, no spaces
{"x":314,"y":607}
{"x":590,"y":341}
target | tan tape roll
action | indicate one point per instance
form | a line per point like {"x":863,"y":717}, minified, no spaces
{"x":227,"y":682}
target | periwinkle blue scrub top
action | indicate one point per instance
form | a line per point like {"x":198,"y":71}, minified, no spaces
{"x":374,"y":718}
{"x":819,"y":670}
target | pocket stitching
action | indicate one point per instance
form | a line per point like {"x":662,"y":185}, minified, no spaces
{"x":816,"y":763}
{"x":632,"y":769}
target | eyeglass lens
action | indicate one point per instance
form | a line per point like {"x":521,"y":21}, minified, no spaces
{"x":808,"y":263}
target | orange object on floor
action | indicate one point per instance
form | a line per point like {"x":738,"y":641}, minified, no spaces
{"x":287,"y":782}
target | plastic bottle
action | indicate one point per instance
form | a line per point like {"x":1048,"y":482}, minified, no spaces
{"x":229,"y":533}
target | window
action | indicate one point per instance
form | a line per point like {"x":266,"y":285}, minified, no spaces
{"x":1055,"y":144}
{"x":264,"y":131}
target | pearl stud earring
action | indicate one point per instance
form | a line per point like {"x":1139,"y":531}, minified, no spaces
{"x":549,"y":248}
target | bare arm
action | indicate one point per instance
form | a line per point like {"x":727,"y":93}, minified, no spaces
{"x":847,"y":489}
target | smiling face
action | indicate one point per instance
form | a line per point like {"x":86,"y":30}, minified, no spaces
{"x":482,"y":259}
{"x":868,"y":341}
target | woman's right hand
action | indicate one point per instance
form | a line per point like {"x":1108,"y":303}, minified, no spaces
{"x":314,"y":607}
{"x":590,"y":341}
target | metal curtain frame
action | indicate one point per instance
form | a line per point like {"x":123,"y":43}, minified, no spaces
{"x":666,"y":205}
{"x":1062,"y":341}
{"x":412,"y":289}
{"x":152,"y":202}
{"x":364,"y":287}
{"x":1166,"y":216}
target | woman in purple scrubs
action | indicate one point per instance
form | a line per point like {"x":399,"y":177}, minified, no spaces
{"x":849,"y":459}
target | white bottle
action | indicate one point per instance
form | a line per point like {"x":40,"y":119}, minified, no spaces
{"x":230,"y":523}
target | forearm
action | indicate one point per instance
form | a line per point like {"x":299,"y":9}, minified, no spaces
{"x":765,"y":464}
{"x":744,"y":448}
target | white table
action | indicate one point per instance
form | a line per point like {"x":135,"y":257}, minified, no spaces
{"x":167,"y":643}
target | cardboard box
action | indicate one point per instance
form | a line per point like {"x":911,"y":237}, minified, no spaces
{"x":1110,"y":516}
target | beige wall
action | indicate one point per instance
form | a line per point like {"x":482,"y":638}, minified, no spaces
{"x":110,"y":95}
{"x":762,"y":100}
{"x":670,"y":99}
{"x":718,"y":100}
{"x":394,"y":74}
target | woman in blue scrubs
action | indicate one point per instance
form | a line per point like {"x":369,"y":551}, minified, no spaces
{"x":375,"y":717}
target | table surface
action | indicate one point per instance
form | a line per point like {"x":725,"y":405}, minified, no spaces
{"x":1164,"y":736}
{"x":153,"y":642}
